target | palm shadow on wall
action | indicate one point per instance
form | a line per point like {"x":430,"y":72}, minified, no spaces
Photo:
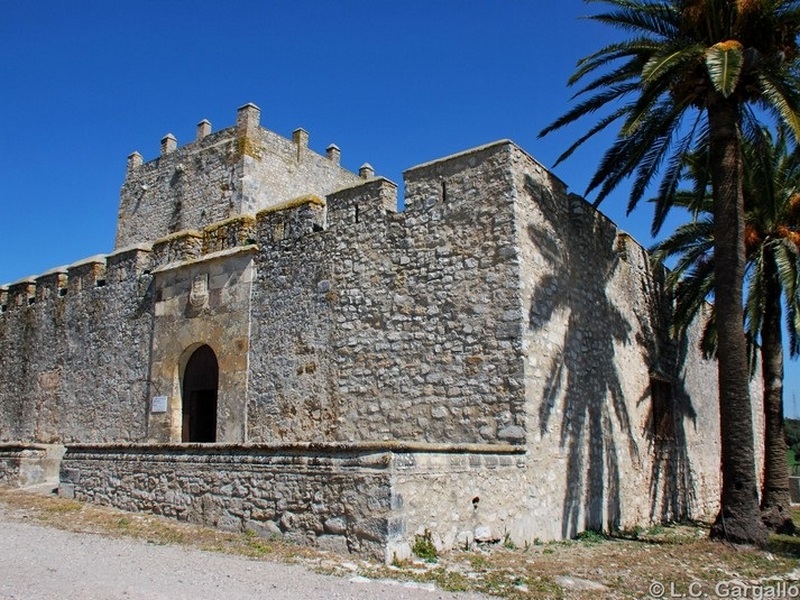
{"x":595,"y":424}
{"x":672,"y":483}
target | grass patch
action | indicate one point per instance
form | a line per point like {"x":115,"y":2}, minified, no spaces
{"x":786,"y":545}
{"x":591,"y":537}
{"x":424,"y":547}
{"x":258,"y":548}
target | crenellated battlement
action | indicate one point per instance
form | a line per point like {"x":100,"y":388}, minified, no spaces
{"x":240,"y":170}
{"x":287,"y":222}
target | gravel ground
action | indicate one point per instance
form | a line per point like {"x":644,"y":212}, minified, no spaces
{"x":43,"y":563}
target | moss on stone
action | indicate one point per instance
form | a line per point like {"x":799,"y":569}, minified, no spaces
{"x":184,"y":233}
{"x":244,"y":220}
{"x":293,"y":203}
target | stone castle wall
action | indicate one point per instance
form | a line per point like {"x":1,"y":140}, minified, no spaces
{"x":345,"y":323}
{"x":76,"y":352}
{"x":495,"y":311}
{"x":596,"y":342}
{"x":336,"y":501}
{"x":393,"y":326}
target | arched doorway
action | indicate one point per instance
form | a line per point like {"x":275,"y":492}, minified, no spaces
{"x":200,"y":380}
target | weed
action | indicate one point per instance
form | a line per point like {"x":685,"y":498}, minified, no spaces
{"x":169,"y":535}
{"x":590,"y":536}
{"x":508,"y":543}
{"x":505,"y":583}
{"x":424,"y":547}
{"x":544,"y":587}
{"x":450,"y":581}
{"x":258,"y":548}
{"x":478,"y":563}
{"x":398,"y":562}
{"x":62,"y":506}
{"x":788,"y":545}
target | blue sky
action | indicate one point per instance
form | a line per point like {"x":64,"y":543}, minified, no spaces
{"x":394,"y":84}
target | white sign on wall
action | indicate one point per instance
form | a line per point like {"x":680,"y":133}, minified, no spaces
{"x":159,"y":404}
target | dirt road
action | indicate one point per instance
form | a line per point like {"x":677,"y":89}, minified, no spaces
{"x":44,"y":563}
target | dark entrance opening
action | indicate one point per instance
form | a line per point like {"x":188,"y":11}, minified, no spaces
{"x":200,"y":382}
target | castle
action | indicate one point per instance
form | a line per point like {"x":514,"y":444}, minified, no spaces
{"x":273,"y":346}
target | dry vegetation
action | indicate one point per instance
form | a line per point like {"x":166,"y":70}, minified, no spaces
{"x":594,"y":566}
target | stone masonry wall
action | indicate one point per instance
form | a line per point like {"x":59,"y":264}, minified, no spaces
{"x":393,"y":326}
{"x":336,"y":501}
{"x":29,"y":464}
{"x":459,"y":497}
{"x":205,"y":300}
{"x":75,"y":355}
{"x":347,"y":321}
{"x":11,"y":458}
{"x":370,"y":500}
{"x":596,"y":344}
{"x":239,"y":170}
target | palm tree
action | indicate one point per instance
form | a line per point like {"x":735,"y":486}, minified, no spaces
{"x":686,"y":77}
{"x":772,"y":247}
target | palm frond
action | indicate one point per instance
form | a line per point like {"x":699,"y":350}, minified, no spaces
{"x":628,"y":72}
{"x":651,"y":163}
{"x":589,"y":106}
{"x":637,"y":152}
{"x":787,"y":262}
{"x":755,"y":298}
{"x":708,"y":339}
{"x":668,"y":189}
{"x":597,"y":128}
{"x":692,"y":295}
{"x":686,"y":239}
{"x":613,"y":52}
{"x":658,"y":18}
{"x":724,"y":64}
{"x":793,"y":327}
{"x":782,"y":98}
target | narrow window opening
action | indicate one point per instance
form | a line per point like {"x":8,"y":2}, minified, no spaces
{"x":444,"y":191}
{"x":62,"y":292}
{"x":356,"y":212}
{"x":100,"y":283}
{"x":31,"y":300}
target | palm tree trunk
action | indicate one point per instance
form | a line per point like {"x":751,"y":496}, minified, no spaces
{"x":775,"y":492}
{"x":739,"y":519}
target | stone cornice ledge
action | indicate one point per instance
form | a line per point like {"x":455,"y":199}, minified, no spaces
{"x":317,"y":447}
{"x":20,"y":446}
{"x":248,"y":249}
